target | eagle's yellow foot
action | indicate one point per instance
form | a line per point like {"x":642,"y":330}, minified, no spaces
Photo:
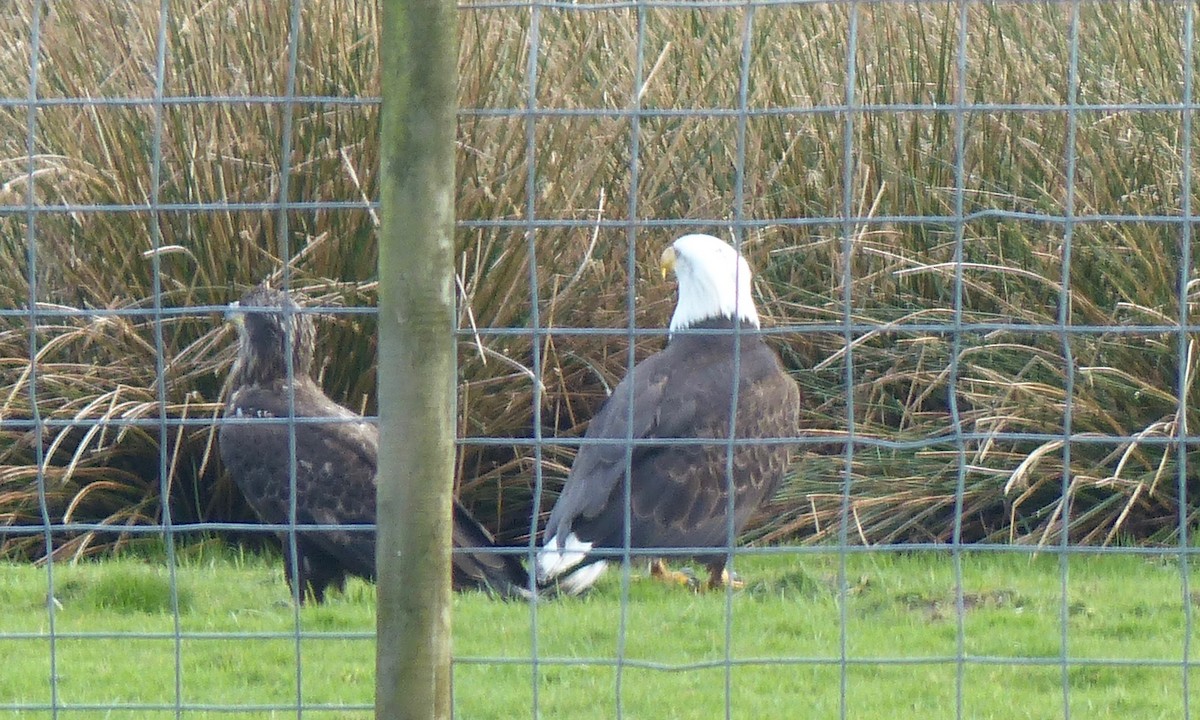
{"x":719,"y":580}
{"x":685,"y":577}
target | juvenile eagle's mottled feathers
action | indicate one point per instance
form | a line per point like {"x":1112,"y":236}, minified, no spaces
{"x":335,"y":464}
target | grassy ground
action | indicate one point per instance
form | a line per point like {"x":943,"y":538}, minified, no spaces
{"x":786,"y":639}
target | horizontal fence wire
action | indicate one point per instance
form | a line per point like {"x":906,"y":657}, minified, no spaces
{"x":84,"y":419}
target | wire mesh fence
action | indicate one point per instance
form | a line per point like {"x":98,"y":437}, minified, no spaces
{"x":970,"y":225}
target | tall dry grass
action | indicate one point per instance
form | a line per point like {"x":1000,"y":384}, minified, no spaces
{"x":903,"y":165}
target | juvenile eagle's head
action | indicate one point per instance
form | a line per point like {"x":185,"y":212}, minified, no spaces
{"x":265,"y":318}
{"x":714,"y":281}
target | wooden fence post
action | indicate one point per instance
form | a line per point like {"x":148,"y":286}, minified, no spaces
{"x":416,"y":359}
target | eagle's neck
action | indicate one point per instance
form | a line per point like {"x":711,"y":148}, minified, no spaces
{"x":705,"y":297}
{"x":265,"y":362}
{"x":699,"y":327}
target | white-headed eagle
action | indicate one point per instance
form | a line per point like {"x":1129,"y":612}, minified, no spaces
{"x":335,"y":460}
{"x":679,"y":493}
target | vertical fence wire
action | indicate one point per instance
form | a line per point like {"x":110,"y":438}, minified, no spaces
{"x":1182,"y":341}
{"x":635,"y":187}
{"x":1065,"y":337}
{"x":31,"y":264}
{"x":287,"y":108}
{"x":534,"y":48}
{"x":956,"y":419}
{"x":847,"y":230}
{"x":160,"y":365}
{"x":738,"y":216}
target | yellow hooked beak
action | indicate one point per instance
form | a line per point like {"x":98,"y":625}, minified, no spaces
{"x":667,"y":262}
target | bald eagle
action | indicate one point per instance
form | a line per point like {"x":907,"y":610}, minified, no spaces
{"x":335,"y":460}
{"x":679,"y":493}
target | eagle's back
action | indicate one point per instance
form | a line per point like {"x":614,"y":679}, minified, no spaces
{"x":334,"y":470}
{"x":335,"y":485}
{"x":679,"y":492}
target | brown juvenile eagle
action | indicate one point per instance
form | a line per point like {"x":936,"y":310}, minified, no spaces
{"x":679,"y":493}
{"x":335,"y":460}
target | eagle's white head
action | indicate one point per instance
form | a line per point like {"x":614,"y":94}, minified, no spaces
{"x":714,"y":281}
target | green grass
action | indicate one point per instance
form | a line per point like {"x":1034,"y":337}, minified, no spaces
{"x":899,"y":607}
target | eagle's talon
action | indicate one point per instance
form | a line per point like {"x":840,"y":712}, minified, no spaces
{"x":725,"y":578}
{"x":685,"y":577}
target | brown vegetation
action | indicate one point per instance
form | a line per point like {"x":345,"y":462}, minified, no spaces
{"x":1006,"y":387}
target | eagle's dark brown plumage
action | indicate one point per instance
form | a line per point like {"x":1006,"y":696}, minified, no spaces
{"x":335,"y":460}
{"x":679,"y":493}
